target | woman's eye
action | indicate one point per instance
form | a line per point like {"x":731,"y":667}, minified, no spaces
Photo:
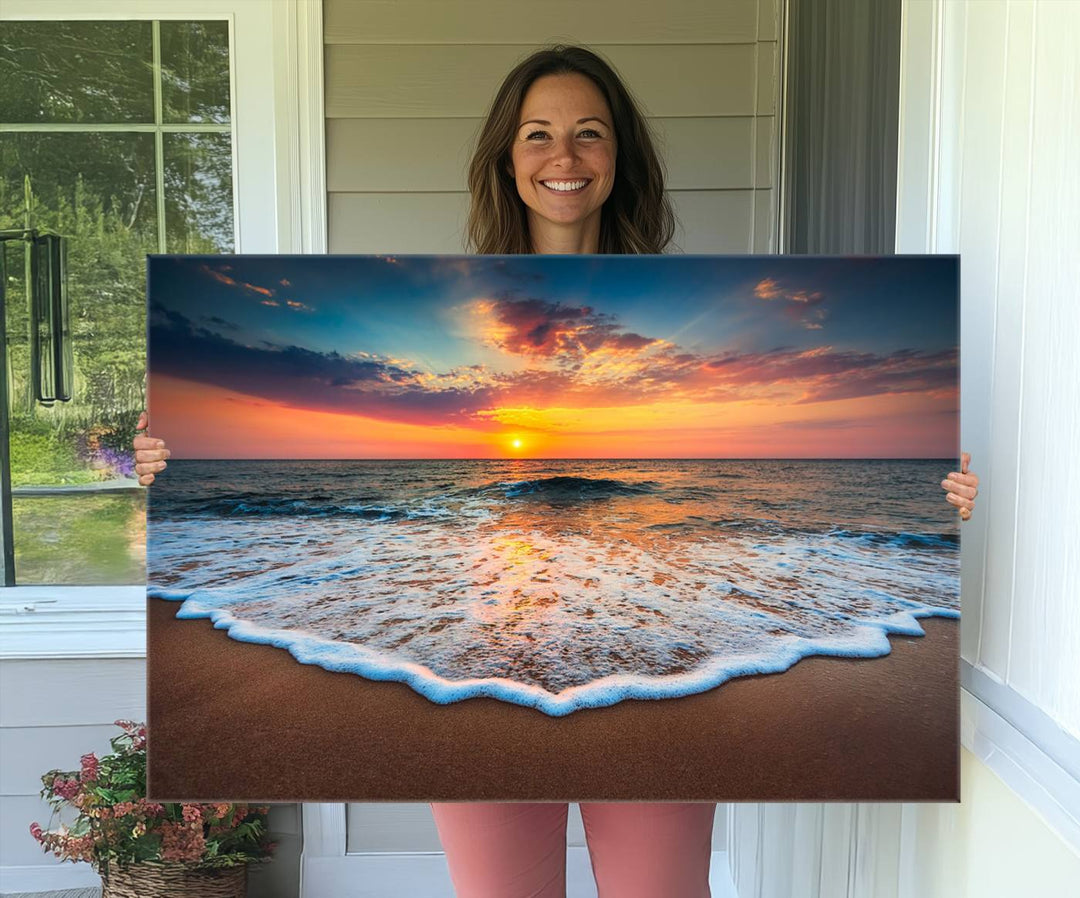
{"x":543,"y":135}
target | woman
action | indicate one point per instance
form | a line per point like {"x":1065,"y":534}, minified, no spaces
{"x":565,"y":164}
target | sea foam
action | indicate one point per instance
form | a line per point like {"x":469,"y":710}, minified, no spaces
{"x":552,"y":590}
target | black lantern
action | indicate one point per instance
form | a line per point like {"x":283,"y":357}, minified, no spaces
{"x":50,"y":331}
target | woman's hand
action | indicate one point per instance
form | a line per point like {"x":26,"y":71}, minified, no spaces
{"x":150,"y":454}
{"x":962,"y":487}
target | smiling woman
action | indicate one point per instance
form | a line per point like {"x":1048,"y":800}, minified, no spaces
{"x":562,"y":117}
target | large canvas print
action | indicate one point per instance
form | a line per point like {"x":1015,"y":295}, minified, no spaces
{"x":558,"y":527}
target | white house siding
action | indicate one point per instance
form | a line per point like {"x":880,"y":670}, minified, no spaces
{"x":53,"y":712}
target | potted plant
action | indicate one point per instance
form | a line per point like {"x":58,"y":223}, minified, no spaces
{"x":142,"y":848}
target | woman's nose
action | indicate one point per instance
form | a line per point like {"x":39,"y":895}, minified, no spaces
{"x":564,"y":150}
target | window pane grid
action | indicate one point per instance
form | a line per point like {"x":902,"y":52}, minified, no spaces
{"x":89,"y":531}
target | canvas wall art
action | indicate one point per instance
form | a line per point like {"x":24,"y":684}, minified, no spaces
{"x":553,"y":527}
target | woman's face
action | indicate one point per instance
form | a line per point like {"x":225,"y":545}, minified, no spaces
{"x":563,"y":155}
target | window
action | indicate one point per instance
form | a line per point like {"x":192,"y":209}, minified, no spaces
{"x":274,"y":169}
{"x":117,"y":136}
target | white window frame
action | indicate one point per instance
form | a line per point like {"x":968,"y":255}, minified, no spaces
{"x":279,"y":204}
{"x":1034,"y":756}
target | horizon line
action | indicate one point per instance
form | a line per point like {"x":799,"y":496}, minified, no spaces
{"x":595,"y":458}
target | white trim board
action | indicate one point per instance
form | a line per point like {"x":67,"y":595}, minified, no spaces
{"x":1047,"y":787}
{"x":298,"y":76}
{"x":73,"y":622}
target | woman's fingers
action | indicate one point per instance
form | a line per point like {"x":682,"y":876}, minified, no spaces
{"x":965,"y":514}
{"x":968,"y":491}
{"x":150,"y":453}
{"x":960,"y":501}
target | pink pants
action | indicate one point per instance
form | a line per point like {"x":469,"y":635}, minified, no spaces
{"x":517,"y":850}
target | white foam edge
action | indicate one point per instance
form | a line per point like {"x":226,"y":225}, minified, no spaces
{"x":602,"y":693}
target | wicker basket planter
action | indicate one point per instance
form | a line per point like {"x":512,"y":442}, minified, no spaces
{"x":172,"y":880}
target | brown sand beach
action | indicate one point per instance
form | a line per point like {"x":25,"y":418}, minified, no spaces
{"x":232,"y":720}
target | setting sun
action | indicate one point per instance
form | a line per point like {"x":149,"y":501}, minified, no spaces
{"x":516,"y":443}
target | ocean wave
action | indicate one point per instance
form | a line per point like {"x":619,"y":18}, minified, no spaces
{"x":271,"y":507}
{"x":571,"y":489}
{"x":902,"y":539}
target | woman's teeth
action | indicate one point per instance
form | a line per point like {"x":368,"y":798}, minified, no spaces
{"x":564,"y":186}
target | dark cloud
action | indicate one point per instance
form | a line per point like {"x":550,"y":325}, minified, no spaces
{"x":302,"y":377}
{"x":537,"y":328}
{"x":220,"y":322}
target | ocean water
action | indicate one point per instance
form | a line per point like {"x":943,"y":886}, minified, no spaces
{"x":558,"y":584}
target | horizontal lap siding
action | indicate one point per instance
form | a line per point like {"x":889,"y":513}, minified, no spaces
{"x":709,"y":221}
{"x":524,"y":22}
{"x":408,"y":84}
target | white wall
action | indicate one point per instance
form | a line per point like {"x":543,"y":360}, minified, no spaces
{"x":52,"y":713}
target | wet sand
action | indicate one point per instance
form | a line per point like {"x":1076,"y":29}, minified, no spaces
{"x":232,"y":720}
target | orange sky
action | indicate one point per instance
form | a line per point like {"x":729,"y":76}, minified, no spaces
{"x":193,"y":415}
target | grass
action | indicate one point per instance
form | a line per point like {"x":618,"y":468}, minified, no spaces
{"x":80,"y":540}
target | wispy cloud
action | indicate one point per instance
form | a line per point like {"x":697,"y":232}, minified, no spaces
{"x":803,"y":305}
{"x":218,"y":274}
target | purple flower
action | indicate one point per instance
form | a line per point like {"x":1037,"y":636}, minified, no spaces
{"x":119,"y":463}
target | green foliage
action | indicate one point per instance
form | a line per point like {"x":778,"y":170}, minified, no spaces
{"x":81,"y":539}
{"x":106,"y":276}
{"x":117,"y":825}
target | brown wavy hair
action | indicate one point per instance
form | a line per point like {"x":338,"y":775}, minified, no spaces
{"x":637,"y":216}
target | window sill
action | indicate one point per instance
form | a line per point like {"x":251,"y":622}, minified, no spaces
{"x":73,"y":622}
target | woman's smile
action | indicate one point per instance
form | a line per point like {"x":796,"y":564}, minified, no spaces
{"x":574,"y":186}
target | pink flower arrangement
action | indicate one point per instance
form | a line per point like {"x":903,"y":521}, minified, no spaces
{"x":116,"y":824}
